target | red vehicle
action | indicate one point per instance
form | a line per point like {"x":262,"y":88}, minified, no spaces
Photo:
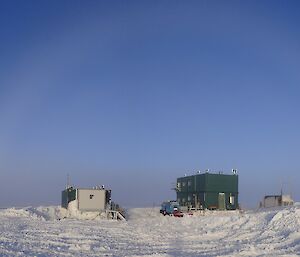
{"x":177,"y":214}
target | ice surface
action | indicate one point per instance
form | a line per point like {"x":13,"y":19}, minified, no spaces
{"x":44,"y":231}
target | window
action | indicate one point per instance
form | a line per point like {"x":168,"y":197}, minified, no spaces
{"x":189,"y":183}
{"x":183,"y":184}
{"x":91,"y":197}
{"x":178,"y":185}
{"x":189,"y":198}
{"x":231,"y":200}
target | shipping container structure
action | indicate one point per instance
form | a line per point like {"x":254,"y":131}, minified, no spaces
{"x":277,"y":200}
{"x":95,"y":199}
{"x":208,"y":191}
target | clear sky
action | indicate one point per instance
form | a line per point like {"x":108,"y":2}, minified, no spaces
{"x":133,"y":94}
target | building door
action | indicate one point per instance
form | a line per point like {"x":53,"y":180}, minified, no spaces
{"x":221,"y":201}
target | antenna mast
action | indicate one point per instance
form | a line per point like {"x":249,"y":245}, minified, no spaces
{"x":68,"y":181}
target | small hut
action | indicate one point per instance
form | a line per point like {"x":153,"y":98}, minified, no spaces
{"x":87,"y":199}
{"x":89,"y":203}
{"x":277,"y":200}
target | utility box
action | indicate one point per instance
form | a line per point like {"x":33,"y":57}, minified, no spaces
{"x":208,"y":191}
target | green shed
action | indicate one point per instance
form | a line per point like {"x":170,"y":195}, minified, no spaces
{"x":208,"y":191}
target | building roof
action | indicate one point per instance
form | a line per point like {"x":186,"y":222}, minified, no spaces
{"x":209,"y":174}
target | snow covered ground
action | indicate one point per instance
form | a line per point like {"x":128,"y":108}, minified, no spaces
{"x":42,"y":232}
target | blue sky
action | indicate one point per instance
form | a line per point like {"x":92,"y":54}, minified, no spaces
{"x":133,"y":94}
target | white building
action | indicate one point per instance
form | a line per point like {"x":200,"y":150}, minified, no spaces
{"x":86,"y":199}
{"x":89,"y":203}
{"x":277,"y":200}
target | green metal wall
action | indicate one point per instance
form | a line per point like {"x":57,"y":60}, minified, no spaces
{"x":205,"y":188}
{"x":67,"y":196}
{"x":221,"y":183}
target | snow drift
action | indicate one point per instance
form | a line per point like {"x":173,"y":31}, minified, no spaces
{"x":42,"y":231}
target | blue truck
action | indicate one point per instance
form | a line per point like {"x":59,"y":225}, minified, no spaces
{"x":171,"y":208}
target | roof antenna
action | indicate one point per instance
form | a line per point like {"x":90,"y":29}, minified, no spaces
{"x":68,"y":181}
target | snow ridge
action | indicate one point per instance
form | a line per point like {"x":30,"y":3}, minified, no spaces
{"x":44,"y":231}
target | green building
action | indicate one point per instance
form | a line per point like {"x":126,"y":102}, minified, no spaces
{"x":208,"y":191}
